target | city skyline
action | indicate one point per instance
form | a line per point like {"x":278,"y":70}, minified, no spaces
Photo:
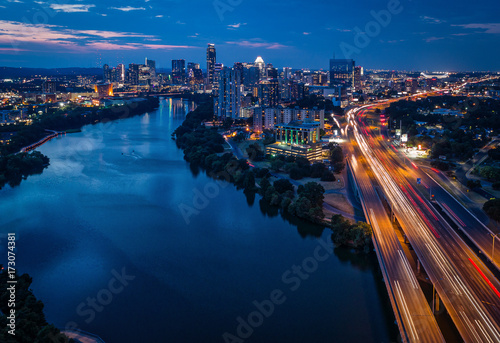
{"x":391,"y":35}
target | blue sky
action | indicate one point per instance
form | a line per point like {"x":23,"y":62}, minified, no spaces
{"x":419,"y":35}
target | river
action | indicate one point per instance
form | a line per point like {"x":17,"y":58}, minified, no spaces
{"x":102,"y":233}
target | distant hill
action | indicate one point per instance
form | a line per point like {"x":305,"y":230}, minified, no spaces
{"x":10,"y":73}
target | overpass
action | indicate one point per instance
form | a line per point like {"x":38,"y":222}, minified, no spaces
{"x":413,"y":315}
{"x":461,"y":280}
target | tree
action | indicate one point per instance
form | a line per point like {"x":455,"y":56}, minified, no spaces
{"x":264,"y":184}
{"x":312,"y":191}
{"x":283,"y":185}
{"x":276,"y":165}
{"x":492,"y":209}
{"x":327,"y":176}
{"x":296,"y":173}
{"x":471,"y":184}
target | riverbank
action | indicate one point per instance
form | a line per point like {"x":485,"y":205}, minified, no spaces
{"x":16,"y":164}
{"x":204,"y":149}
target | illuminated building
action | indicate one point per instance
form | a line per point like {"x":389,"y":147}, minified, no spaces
{"x":178,"y":71}
{"x":211,"y":59}
{"x":104,"y":90}
{"x":342,"y":72}
{"x":297,"y":138}
{"x":229,"y":94}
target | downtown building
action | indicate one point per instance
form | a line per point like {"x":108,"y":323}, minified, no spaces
{"x":211,"y":60}
{"x":268,"y":118}
{"x":228,"y":94}
{"x":297,"y":139}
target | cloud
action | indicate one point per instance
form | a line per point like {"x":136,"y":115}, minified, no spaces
{"x":70,"y":8}
{"x":52,"y":36}
{"x":258,"y":44}
{"x":306,"y":33}
{"x":128,"y":8}
{"x":344,"y":30}
{"x":180,"y":22}
{"x":159,"y":16}
{"x":431,"y":20}
{"x":432,"y":39}
{"x":235,"y":26}
{"x":492,"y":28}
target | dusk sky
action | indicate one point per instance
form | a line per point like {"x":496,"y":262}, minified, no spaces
{"x":423,"y":35}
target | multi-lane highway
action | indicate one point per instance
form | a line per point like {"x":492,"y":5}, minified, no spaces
{"x":466,"y":287}
{"x":413,"y":314}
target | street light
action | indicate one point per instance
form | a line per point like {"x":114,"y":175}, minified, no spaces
{"x":493,"y":247}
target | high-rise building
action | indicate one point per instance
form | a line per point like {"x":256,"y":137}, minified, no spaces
{"x":268,"y":93}
{"x":178,"y":71}
{"x":133,"y":74}
{"x":342,"y":72}
{"x":287,"y":73}
{"x":229,"y":94}
{"x":259,"y":63}
{"x":194,"y":73}
{"x":48,"y":87}
{"x":211,"y":60}
{"x":358,"y":74}
{"x":106,"y":73}
{"x":152,"y":68}
{"x":272,"y":73}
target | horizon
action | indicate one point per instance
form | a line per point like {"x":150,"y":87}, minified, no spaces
{"x":393,"y":35}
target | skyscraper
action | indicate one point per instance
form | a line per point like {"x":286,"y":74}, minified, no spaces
{"x":358,"y":74}
{"x":152,"y":68}
{"x":342,"y":72}
{"x":106,"y":73}
{"x":178,"y":71}
{"x":229,"y":93}
{"x":211,"y":59}
{"x":133,"y":74}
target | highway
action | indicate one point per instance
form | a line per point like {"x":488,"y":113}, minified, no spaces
{"x":464,"y":284}
{"x":413,"y":314}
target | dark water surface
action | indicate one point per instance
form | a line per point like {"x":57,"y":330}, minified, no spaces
{"x":109,"y":205}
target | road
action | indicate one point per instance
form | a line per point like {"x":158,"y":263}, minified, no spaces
{"x":415,"y":319}
{"x":464,"y":284}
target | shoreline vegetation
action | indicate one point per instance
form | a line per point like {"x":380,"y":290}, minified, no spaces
{"x":30,"y":323}
{"x":16,"y":166}
{"x":203,"y":149}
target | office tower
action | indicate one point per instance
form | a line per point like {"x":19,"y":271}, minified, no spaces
{"x":259,"y":63}
{"x":145,"y":75}
{"x":272,"y":73}
{"x":342,"y":72}
{"x":257,"y":119}
{"x":194,"y":73}
{"x":152,"y":68}
{"x":358,"y":74}
{"x":133,"y":74}
{"x":297,"y":90}
{"x":121,"y":73}
{"x":48,"y":87}
{"x":240,"y":68}
{"x":211,"y":60}
{"x":287,"y":73}
{"x":178,"y":71}
{"x":229,"y":93}
{"x":268,"y":92}
{"x":251,"y":76}
{"x":106,"y":73}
